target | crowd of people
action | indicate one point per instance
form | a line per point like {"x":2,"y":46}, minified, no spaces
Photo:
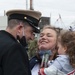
{"x":55,"y":53}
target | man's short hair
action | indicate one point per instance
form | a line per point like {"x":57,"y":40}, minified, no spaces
{"x":14,"y":22}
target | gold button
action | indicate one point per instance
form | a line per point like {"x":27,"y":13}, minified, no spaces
{"x":25,"y":17}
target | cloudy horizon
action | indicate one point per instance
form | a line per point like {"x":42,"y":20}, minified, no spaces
{"x":66,"y":8}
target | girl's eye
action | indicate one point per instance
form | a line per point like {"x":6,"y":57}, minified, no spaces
{"x":49,"y":35}
{"x":41,"y":35}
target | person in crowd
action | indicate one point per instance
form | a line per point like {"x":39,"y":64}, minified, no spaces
{"x":65,"y":62}
{"x":22,"y":24}
{"x":47,"y":43}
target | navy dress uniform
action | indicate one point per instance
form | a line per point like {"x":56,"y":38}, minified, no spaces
{"x":13,"y":57}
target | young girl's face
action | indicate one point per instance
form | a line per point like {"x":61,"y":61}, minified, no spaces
{"x":61,"y":49}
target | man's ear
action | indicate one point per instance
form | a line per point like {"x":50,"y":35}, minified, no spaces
{"x":19,"y":28}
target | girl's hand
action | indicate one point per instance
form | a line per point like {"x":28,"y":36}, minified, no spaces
{"x":42,"y":71}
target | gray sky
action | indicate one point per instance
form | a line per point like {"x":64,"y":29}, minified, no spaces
{"x":66,"y":8}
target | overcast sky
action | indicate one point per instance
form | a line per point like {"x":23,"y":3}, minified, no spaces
{"x":66,"y":8}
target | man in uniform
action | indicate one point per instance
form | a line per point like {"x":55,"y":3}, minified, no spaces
{"x":21,"y":27}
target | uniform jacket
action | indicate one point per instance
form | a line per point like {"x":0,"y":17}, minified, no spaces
{"x":13,"y":56}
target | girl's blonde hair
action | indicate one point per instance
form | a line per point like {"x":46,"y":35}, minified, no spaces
{"x":57,"y":30}
{"x":68,"y":40}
